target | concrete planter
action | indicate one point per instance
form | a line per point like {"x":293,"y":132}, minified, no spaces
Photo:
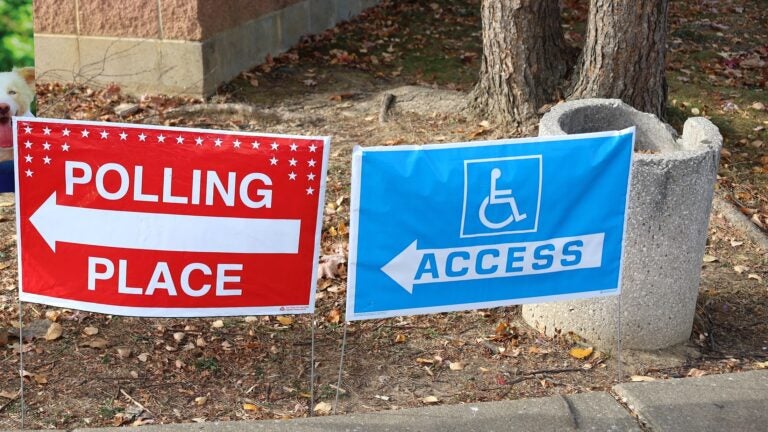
{"x":669,"y":206}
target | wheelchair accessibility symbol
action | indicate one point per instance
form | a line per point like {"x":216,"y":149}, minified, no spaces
{"x":501,"y":196}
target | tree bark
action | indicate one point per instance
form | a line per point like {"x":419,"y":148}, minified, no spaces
{"x":623,"y":54}
{"x":523,"y":61}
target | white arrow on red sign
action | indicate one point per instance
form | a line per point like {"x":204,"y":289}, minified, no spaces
{"x":166,"y":232}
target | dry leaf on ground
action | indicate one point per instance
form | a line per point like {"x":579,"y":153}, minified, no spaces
{"x":322,"y":408}
{"x":54,"y":332}
{"x":97,"y":343}
{"x":580,"y":352}
{"x":430,"y":400}
{"x":285,"y":320}
{"x":642,"y":378}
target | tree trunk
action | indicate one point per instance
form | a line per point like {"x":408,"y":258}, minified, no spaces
{"x":623,"y":54}
{"x":523,"y":61}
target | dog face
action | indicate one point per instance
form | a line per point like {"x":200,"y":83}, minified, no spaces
{"x":17,"y":89}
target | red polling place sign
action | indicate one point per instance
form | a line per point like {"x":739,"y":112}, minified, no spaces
{"x":167,"y":222}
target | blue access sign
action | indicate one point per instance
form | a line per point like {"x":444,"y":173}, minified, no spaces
{"x":448,"y":227}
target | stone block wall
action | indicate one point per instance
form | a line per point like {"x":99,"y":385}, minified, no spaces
{"x":179,"y":47}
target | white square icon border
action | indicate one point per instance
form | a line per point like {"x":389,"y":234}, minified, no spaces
{"x":466,"y":191}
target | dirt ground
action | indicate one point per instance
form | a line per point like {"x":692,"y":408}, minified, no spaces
{"x":110,"y":370}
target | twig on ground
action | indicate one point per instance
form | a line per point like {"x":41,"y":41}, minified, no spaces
{"x":135,"y":402}
{"x":3,"y":406}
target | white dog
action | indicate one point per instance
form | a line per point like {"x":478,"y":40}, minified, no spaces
{"x":17,"y":90}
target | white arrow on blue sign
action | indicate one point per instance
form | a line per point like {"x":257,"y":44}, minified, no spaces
{"x":439,"y":228}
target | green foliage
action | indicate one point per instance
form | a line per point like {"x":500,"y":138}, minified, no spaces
{"x":16,"y":43}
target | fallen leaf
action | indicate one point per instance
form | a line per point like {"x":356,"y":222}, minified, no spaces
{"x":384,"y":398}
{"x":430,"y":400}
{"x":40,"y":379}
{"x":501,"y":329}
{"x":285,"y":320}
{"x":246,"y":406}
{"x":456,"y":366}
{"x":123,"y":352}
{"x":735,"y":243}
{"x":641,"y":378}
{"x":697,"y":373}
{"x":90,"y":331}
{"x":425,"y":361}
{"x":580,"y":352}
{"x":201,"y":400}
{"x":330,"y":266}
{"x":400,"y":338}
{"x":323,"y":408}
{"x":9,"y":395}
{"x":97,"y":343}
{"x":333,"y":316}
{"x":217,"y":324}
{"x":53,"y":315}
{"x":143,"y":357}
{"x":709,"y":258}
{"x":178,"y":336}
{"x":740,"y":269}
{"x":755,"y":276}
{"x":758,"y":365}
{"x":54,"y":332}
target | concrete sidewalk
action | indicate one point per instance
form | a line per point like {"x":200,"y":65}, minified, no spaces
{"x":730,"y":402}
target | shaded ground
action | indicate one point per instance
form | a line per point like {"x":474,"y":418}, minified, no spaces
{"x":116,"y":370}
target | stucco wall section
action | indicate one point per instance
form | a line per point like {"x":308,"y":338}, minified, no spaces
{"x":118,"y":18}
{"x":54,"y":16}
{"x":181,"y":18}
{"x":190,"y":20}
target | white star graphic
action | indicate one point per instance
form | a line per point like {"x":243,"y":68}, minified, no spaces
{"x":292,"y":162}
{"x":312,"y":148}
{"x":142,"y":137}
{"x":198,"y":141}
{"x":28,"y":158}
{"x":27,"y":129}
{"x":46,"y":146}
{"x":65,"y":147}
{"x":85,"y":133}
{"x":310,"y":191}
{"x":294,"y":146}
{"x":29,"y":172}
{"x":310,"y":176}
{"x":292,"y":176}
{"x":28,"y":144}
{"x":311,"y":162}
{"x":218,"y":142}
{"x":255,"y":144}
{"x":273,"y":161}
{"x":274,"y":145}
{"x":47,"y":160}
{"x":46,"y":130}
{"x":236,"y":143}
{"x":123,"y":136}
{"x":180,"y":139}
{"x":65,"y":132}
{"x":104,"y":134}
{"x":161,"y":138}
